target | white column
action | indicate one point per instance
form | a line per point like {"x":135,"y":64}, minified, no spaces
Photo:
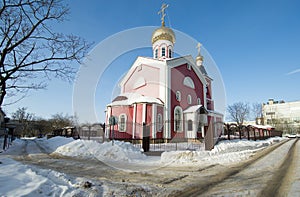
{"x":167,"y":107}
{"x":154,"y":122}
{"x":144,"y":113}
{"x":134,"y":120}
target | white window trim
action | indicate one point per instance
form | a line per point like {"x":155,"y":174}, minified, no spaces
{"x":119,"y":123}
{"x":180,"y":129}
{"x":179,"y":96}
{"x":159,"y":123}
{"x":198,"y":101}
{"x":189,"y":99}
{"x":188,"y":81}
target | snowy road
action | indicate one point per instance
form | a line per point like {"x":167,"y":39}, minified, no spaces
{"x":269,"y":172}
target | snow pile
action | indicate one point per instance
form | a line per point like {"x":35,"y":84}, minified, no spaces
{"x":21,"y":180}
{"x":120,"y":151}
{"x":53,"y":143}
{"x":15,"y":147}
{"x":17,"y":142}
{"x":241,"y":145}
{"x":225,"y":152}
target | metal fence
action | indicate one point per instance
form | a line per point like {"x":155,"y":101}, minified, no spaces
{"x":159,"y":145}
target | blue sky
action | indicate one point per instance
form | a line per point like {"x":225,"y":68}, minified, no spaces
{"x":255,"y":45}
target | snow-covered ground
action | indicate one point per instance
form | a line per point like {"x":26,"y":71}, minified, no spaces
{"x":225,"y":152}
{"x":17,"y":179}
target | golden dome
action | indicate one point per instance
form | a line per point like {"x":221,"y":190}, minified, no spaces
{"x":163,"y":33}
{"x":199,"y":58}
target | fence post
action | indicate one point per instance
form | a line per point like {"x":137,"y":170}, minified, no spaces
{"x":146,"y":138}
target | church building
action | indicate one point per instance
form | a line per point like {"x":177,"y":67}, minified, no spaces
{"x":170,"y":97}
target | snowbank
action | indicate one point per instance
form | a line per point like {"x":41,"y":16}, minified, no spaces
{"x":120,"y":151}
{"x":225,"y":152}
{"x":17,"y":179}
{"x":53,"y":143}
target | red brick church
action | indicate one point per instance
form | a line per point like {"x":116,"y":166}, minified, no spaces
{"x":171,"y":96}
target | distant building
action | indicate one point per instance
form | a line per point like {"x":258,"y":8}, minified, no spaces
{"x":282,"y":115}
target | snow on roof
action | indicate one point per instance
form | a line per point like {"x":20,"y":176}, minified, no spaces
{"x":253,"y":125}
{"x":262,"y":126}
{"x":192,"y":109}
{"x":215,"y":112}
{"x":130,"y":98}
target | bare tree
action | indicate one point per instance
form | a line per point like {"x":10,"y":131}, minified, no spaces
{"x":31,"y":52}
{"x":256,"y":111}
{"x":59,"y":121}
{"x":24,"y":120}
{"x":238,"y":112}
{"x":42,"y":126}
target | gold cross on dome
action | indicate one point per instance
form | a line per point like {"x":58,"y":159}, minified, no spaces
{"x":162,"y":12}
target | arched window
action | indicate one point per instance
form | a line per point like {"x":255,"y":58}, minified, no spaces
{"x":198,"y":101}
{"x":156,"y":53}
{"x":190,"y":125}
{"x":189,"y":99}
{"x":163,"y":52}
{"x":159,"y":123}
{"x":170,"y":53}
{"x":178,"y":119}
{"x":189,"y":82}
{"x":178,"y":96}
{"x":122,"y":122}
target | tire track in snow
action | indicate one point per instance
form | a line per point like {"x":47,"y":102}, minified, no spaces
{"x":199,"y":188}
{"x":280,"y":183}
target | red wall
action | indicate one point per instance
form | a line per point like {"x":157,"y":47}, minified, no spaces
{"x":177,"y":76}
